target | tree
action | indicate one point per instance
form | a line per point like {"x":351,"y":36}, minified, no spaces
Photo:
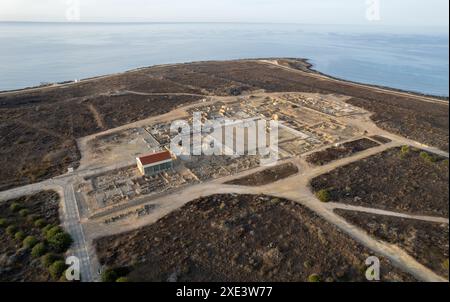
{"x":53,"y":231}
{"x":60,"y":242}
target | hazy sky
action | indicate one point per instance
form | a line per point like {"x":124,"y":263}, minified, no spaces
{"x":391,"y":12}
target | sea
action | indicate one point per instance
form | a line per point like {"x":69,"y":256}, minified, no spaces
{"x":413,"y":59}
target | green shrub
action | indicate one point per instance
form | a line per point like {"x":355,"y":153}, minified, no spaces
{"x":24,"y":212}
{"x":53,"y":231}
{"x":57,"y":269}
{"x":3,"y":222}
{"x":19,"y":236}
{"x":323,"y":195}
{"x":445,"y":264}
{"x":49,"y":258}
{"x":11,"y":230}
{"x":47,"y":228}
{"x":122,"y":279}
{"x":39,"y":223}
{"x":109,"y":275}
{"x":30,"y":242}
{"x":314,"y":278}
{"x":405,"y":150}
{"x":32,"y":217}
{"x":38,"y":250}
{"x":63,"y":277}
{"x":427,"y":157}
{"x":60,"y":242}
{"x":15,"y":207}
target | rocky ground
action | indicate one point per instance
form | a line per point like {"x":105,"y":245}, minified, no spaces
{"x":425,"y":241}
{"x":266,"y":176}
{"x":239,"y":238}
{"x":399,"y":179}
{"x":326,"y":156}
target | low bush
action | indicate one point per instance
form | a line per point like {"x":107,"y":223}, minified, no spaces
{"x":57,"y":269}
{"x":38,"y":250}
{"x":19,"y":236}
{"x":39,"y":223}
{"x":122,"y":279}
{"x":427,"y":157}
{"x":24,"y":212}
{"x":405,"y":150}
{"x":15,"y":207}
{"x":49,"y":258}
{"x":11,"y":230}
{"x":47,"y":228}
{"x":32,"y":217}
{"x":323,"y":195}
{"x":3,"y":222}
{"x":30,"y":242}
{"x":314,"y":278}
{"x":109,"y":275}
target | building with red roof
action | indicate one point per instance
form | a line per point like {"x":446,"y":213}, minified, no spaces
{"x":155,"y":163}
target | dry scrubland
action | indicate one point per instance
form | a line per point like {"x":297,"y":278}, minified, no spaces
{"x":426,"y":241}
{"x":41,"y":126}
{"x":400,"y":179}
{"x":238,"y":238}
{"x":328,"y":155}
{"x":266,"y":176}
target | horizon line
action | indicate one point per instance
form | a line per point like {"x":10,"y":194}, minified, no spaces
{"x":221,"y":22}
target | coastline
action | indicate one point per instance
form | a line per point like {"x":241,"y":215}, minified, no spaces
{"x":309,"y":67}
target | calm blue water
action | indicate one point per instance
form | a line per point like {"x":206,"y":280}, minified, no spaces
{"x":32,"y":53}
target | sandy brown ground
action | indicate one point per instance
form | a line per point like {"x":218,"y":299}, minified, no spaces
{"x":239,"y":238}
{"x":427,"y":242}
{"x":391,"y":181}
